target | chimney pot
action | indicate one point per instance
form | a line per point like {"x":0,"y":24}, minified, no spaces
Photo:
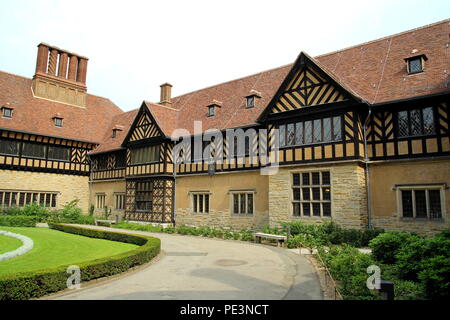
{"x":166,"y":94}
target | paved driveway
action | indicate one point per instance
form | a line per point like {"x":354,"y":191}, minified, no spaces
{"x":200,"y":268}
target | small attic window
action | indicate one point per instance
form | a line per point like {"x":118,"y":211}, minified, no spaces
{"x":7,"y":112}
{"x":250,"y":101}
{"x":415,"y":64}
{"x":211,"y":111}
{"x":114,"y":132}
{"x":58,"y":121}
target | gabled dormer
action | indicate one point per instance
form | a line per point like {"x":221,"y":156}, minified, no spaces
{"x":307,"y":85}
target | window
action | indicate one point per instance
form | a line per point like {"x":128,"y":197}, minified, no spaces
{"x":250,"y":101}
{"x":145,"y":155}
{"x":101,"y":200}
{"x":420,"y":202}
{"x":311,"y":131}
{"x":58,"y":153}
{"x":144,"y":196}
{"x":10,"y":198}
{"x":119,"y":201}
{"x":58,"y":121}
{"x":416,"y":122}
{"x":200,"y":202}
{"x":7,"y":112}
{"x":9,"y":147}
{"x":311,"y":194}
{"x":242,"y":203}
{"x":211,"y":111}
{"x":33,"y":150}
{"x":415,"y":64}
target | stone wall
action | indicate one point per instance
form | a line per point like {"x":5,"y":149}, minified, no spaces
{"x":109,"y":188}
{"x":219,"y":187}
{"x":70,"y":187}
{"x":348,"y":195}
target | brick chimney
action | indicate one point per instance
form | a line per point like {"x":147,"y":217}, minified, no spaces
{"x":166,"y":94}
{"x":60,"y":75}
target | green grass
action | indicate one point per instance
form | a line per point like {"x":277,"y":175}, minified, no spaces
{"x":9,"y":244}
{"x":54,"y":248}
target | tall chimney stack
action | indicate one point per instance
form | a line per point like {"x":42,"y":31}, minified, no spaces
{"x":60,"y":75}
{"x":166,"y":94}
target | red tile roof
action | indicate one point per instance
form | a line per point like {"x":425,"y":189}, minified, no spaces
{"x":34,"y":115}
{"x":122,"y":121}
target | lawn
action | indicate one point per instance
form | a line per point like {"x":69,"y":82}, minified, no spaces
{"x":54,"y":248}
{"x":9,"y":244}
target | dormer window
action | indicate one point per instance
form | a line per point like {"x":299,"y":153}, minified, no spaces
{"x":211,"y":111}
{"x":58,"y":121}
{"x":7,"y":112}
{"x":250,"y":102}
{"x":415,"y":64}
{"x":114,"y":132}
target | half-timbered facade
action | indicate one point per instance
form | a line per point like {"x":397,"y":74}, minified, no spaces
{"x":359,"y":136}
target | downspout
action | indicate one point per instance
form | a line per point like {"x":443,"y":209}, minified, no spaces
{"x":366,"y":162}
{"x":174,"y":189}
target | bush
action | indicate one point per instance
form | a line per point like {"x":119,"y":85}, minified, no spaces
{"x":39,"y":283}
{"x":349,"y":267}
{"x":19,"y":221}
{"x":385,"y":246}
{"x":408,"y":290}
{"x":330,"y":233}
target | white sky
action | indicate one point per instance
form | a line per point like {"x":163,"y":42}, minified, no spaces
{"x":134,"y":46}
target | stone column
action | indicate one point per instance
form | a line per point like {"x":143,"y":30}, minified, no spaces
{"x":62,"y":70}
{"x":73,"y":68}
{"x":82,"y":68}
{"x":52,"y":61}
{"x":42,"y":59}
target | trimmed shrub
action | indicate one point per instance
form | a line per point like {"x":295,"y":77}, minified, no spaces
{"x":386,"y":245}
{"x":39,"y":283}
{"x":19,"y":221}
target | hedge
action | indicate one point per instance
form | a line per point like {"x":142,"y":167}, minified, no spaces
{"x":35,"y":284}
{"x":19,"y":221}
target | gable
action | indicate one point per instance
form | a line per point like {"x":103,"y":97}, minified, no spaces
{"x":306,"y":85}
{"x":144,"y":127}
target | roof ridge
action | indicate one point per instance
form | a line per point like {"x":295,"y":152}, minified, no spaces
{"x":382,"y":38}
{"x":240,"y":78}
{"x":160,"y":105}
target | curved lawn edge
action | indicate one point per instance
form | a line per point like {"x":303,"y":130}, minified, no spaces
{"x":27,"y":245}
{"x":27,"y":285}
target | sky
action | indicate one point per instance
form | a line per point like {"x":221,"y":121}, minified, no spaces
{"x":135,"y":46}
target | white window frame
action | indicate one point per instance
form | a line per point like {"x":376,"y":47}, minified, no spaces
{"x":411,"y":187}
{"x":321,"y":201}
{"x":99,"y":196}
{"x":239,"y":192}
{"x":204,"y":209}
{"x":119,"y":197}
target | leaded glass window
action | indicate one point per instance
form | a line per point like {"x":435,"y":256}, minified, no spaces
{"x":416,"y":122}
{"x":421,"y":203}
{"x":311,"y":194}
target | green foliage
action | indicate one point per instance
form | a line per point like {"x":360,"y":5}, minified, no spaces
{"x":349,"y":267}
{"x":138,"y":227}
{"x":91,"y":210}
{"x":106,"y":212}
{"x":304,"y":240}
{"x":386,"y":245}
{"x":408,"y":290}
{"x":19,"y":221}
{"x":36,"y":284}
{"x":328,"y":233}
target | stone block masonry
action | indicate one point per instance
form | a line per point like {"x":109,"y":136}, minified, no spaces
{"x":69,"y":187}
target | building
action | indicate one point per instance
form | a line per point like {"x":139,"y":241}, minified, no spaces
{"x":359,"y":136}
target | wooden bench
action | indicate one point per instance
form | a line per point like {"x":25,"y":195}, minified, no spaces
{"x":280,"y":239}
{"x":109,"y":222}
